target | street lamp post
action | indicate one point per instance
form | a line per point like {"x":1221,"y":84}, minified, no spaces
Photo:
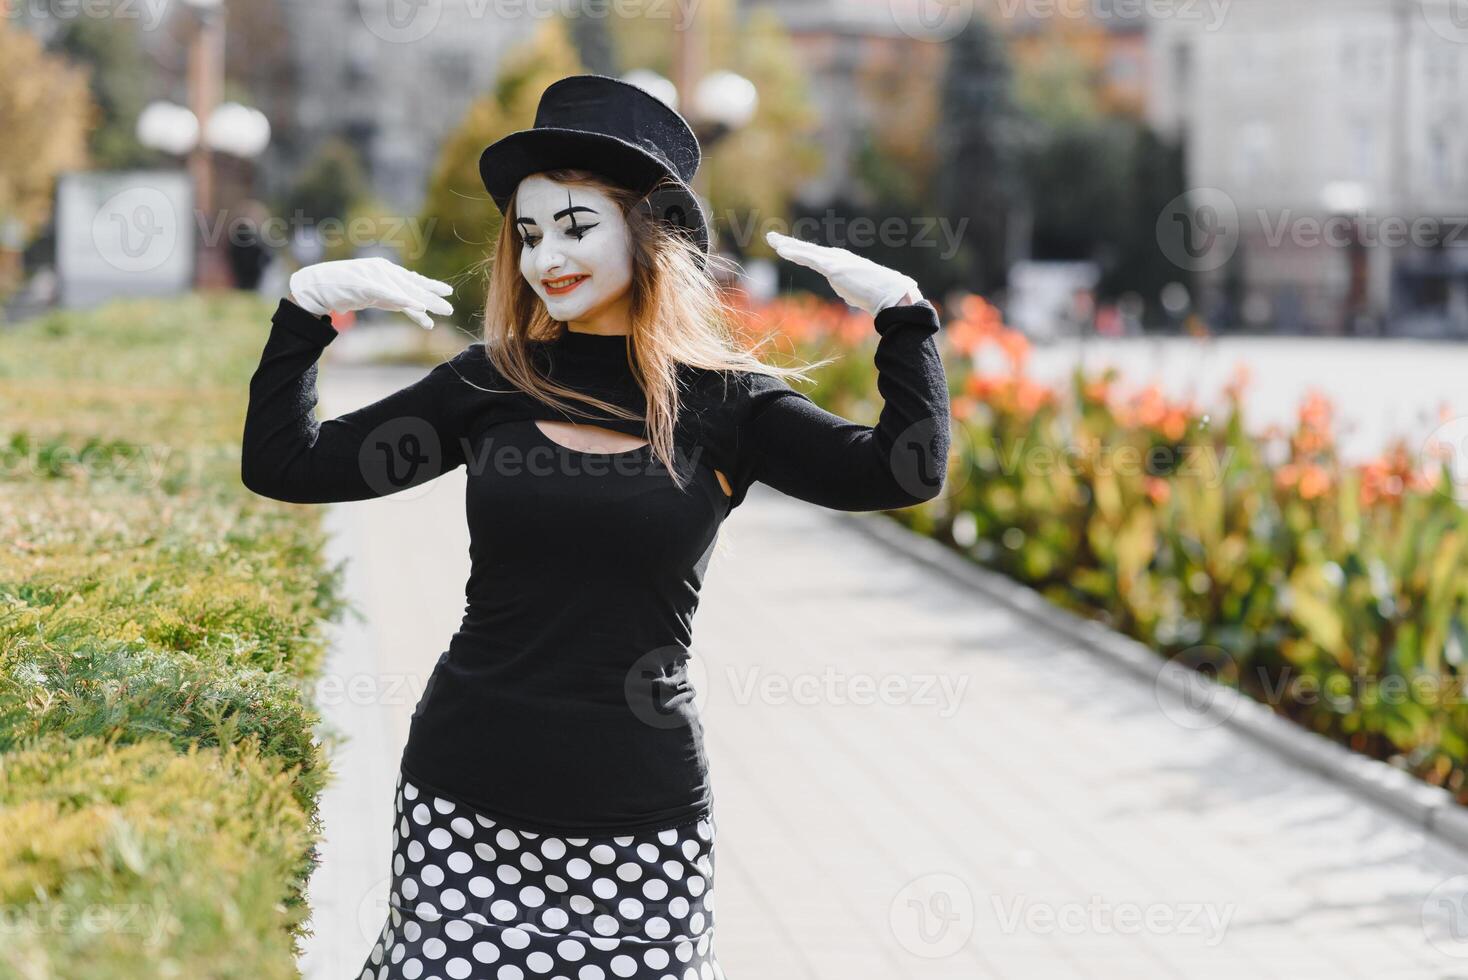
{"x":205,"y":83}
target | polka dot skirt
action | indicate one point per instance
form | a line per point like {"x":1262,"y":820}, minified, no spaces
{"x":475,"y":898}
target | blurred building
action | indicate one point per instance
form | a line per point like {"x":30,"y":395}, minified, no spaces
{"x":394,"y":77}
{"x":1335,"y":129}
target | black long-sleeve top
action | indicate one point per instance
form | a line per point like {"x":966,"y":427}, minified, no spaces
{"x":562,"y":704}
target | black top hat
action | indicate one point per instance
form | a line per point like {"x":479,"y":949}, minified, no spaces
{"x":611,"y":127}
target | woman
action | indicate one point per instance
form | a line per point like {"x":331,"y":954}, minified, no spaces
{"x":554,"y":812}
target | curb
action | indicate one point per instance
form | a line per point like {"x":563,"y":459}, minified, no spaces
{"x":1431,"y":808}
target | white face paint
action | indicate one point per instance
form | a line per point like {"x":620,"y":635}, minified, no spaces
{"x":574,"y":230}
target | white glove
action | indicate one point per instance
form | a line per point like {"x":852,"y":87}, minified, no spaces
{"x":375,"y":283}
{"x":860,"y":282}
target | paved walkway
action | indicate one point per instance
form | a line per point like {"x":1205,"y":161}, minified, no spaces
{"x":911,"y":782}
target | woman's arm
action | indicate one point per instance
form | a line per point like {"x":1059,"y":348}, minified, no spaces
{"x":401,"y":441}
{"x":787,"y":441}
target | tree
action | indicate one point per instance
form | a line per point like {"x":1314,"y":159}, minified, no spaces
{"x":108,"y":50}
{"x":977,"y":145}
{"x":330,"y":183}
{"x":45,"y":114}
{"x":461,"y":220}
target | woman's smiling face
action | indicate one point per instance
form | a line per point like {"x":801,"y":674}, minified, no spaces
{"x":575,"y":246}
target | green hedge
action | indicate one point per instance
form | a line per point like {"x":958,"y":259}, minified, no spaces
{"x":160,"y":630}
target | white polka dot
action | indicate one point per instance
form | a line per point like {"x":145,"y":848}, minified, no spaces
{"x":624,"y":966}
{"x":690,"y":849}
{"x":403,"y":827}
{"x":678,"y":906}
{"x":668,"y":836}
{"x":577,"y":868}
{"x":648,"y":853}
{"x":703,"y":944}
{"x":481,"y":887}
{"x":695,"y":885}
{"x":486,"y":952}
{"x":412,"y":931}
{"x":397,"y":952}
{"x":570,"y":949}
{"x":452,"y":899}
{"x":508,"y":874}
{"x":555,"y":919}
{"x":415,"y":851}
{"x":439,"y":838}
{"x":556,"y":883}
{"x":410,"y":888}
{"x":553,"y":849}
{"x":655,"y":889}
{"x":707,"y":971}
{"x":426,"y":912}
{"x":484,"y":821}
{"x":657,"y":927}
{"x":540,"y":962}
{"x":704,"y":830}
{"x":434,"y":948}
{"x":410,"y":791}
{"x":442,"y":805}
{"x":506,"y":838}
{"x":458,"y":968}
{"x":421,"y":815}
{"x":503,"y":910}
{"x":508,"y":972}
{"x":605,"y":924}
{"x":656,"y":958}
{"x":462,"y":827}
{"x":604,"y":888}
{"x":684,"y":951}
{"x":530,"y":862}
{"x":485,"y":852}
{"x":475,"y":917}
{"x":576,"y":841}
{"x":515,"y":938}
{"x":673,"y":870}
{"x":604,"y":944}
{"x":629,"y":872}
{"x":376,"y":955}
{"x":630,"y":908}
{"x":532,"y":897}
{"x":602,"y":854}
{"x":580,"y":904}
{"x":589,"y":972}
{"x":397,"y":864}
{"x":431,"y":874}
{"x":460,"y":863}
{"x":458,"y":930}
{"x":528,"y":835}
{"x":695,"y":922}
{"x":412,"y":969}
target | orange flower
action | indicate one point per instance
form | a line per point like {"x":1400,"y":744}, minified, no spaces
{"x":1159,"y":491}
{"x":1314,"y":482}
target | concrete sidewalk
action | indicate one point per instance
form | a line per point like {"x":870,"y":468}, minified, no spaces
{"x":912,"y":782}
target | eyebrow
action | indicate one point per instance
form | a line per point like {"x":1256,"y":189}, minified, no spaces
{"x":571,"y":209}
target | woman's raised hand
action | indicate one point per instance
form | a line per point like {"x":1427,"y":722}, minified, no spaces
{"x":860,"y":282}
{"x":375,"y":283}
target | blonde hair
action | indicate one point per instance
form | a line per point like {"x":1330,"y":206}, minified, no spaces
{"x":680,"y":315}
